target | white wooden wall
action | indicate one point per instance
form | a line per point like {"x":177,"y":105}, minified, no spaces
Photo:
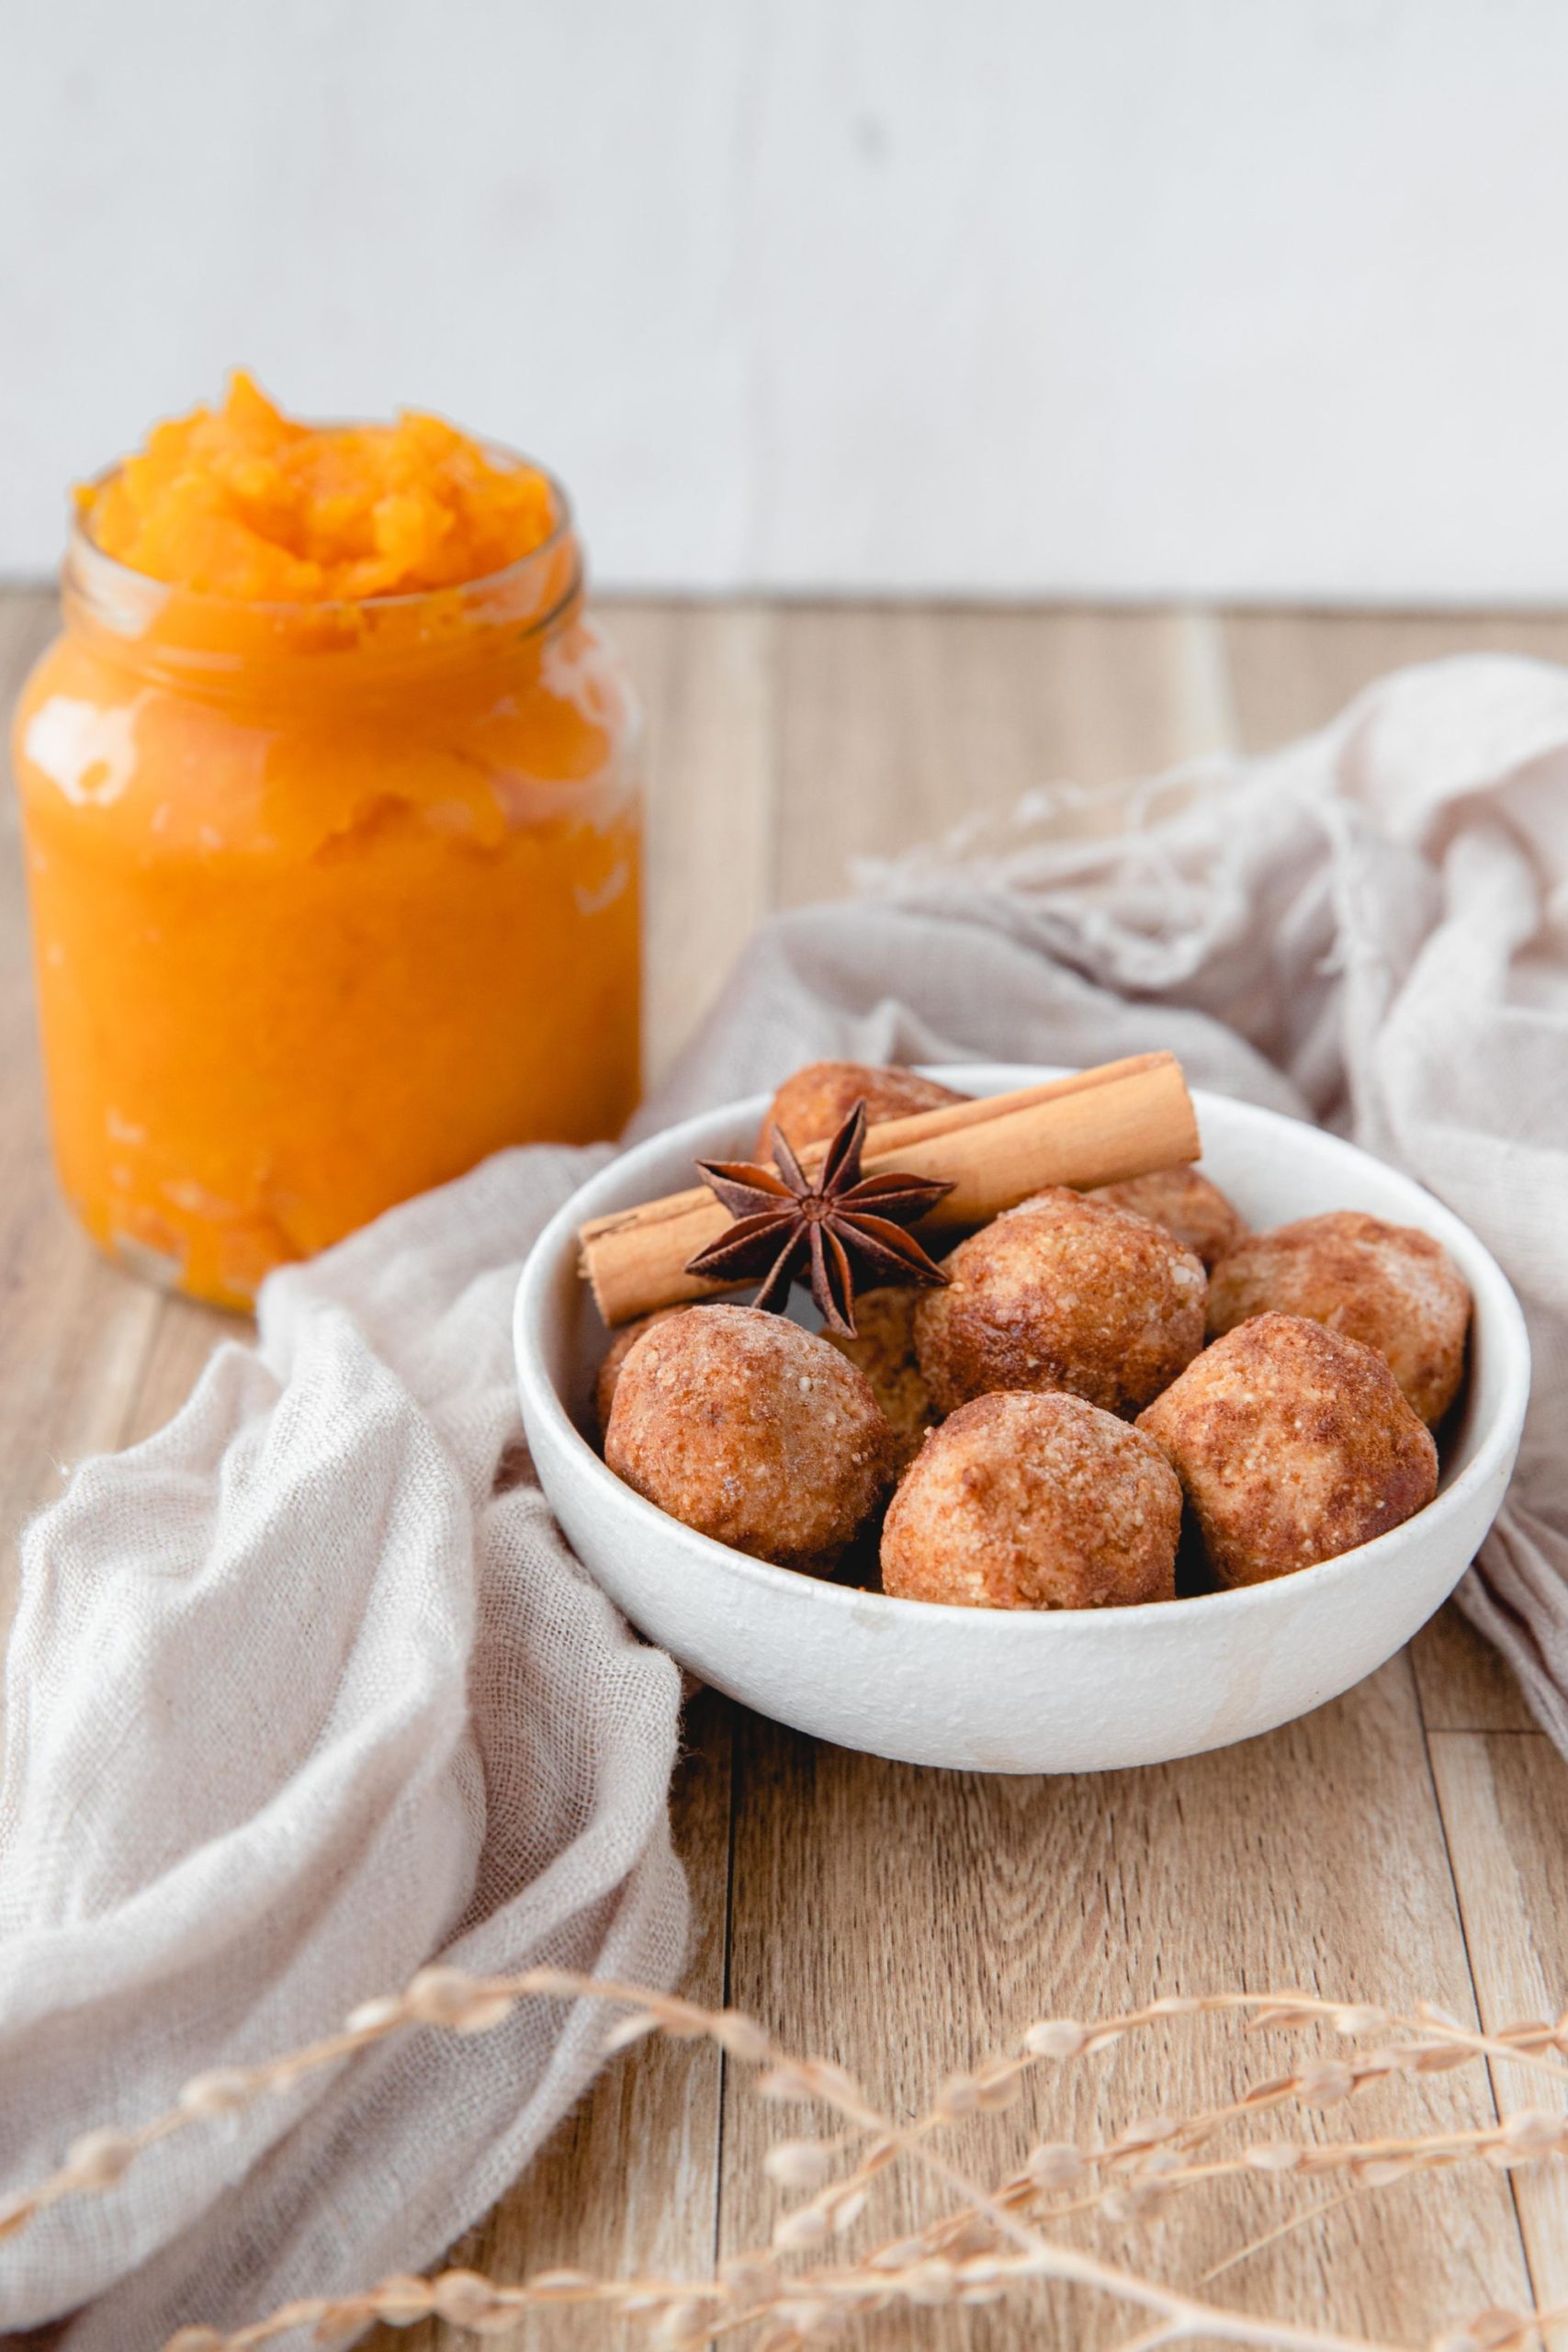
{"x":1246,"y":297}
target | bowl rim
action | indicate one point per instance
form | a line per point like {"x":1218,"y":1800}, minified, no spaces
{"x":1505,"y":1330}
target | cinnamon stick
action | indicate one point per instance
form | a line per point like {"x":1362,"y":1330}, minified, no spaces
{"x":1098,"y":1127}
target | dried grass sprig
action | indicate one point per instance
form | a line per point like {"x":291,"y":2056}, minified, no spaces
{"x":991,"y":2239}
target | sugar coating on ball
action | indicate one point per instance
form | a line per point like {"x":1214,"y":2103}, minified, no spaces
{"x":620,"y":1347}
{"x":1390,"y":1286}
{"x":884,"y":1349}
{"x":752,"y":1430}
{"x":1293,"y":1443}
{"x":1063,"y":1292}
{"x":1034,"y":1501}
{"x":814,"y":1104}
{"x":1185,"y":1203}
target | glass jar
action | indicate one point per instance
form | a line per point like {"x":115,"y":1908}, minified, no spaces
{"x":329,"y":900}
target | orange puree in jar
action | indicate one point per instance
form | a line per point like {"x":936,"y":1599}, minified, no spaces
{"x":332,"y":810}
{"x":241,"y":502}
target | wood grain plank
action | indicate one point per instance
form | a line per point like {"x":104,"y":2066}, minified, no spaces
{"x":908,"y":1922}
{"x":1295,"y":670}
{"x":896,"y":722}
{"x":705,"y":674}
{"x":1462,"y":1681}
{"x":1504,"y":1800}
{"x":184,"y":1337}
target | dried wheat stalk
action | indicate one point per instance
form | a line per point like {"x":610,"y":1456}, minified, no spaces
{"x":991,"y":2240}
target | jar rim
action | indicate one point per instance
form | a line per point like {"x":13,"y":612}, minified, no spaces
{"x":123,"y":579}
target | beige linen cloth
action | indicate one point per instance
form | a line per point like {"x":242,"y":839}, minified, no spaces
{"x":306,"y":1691}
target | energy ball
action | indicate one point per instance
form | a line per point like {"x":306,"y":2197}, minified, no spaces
{"x":884,"y":1348}
{"x":815,"y":1102}
{"x":620,"y":1347}
{"x":1186,"y":1203}
{"x":753,"y":1432}
{"x":1293,"y":1443}
{"x":1390,"y":1286}
{"x":1063,"y":1292}
{"x":1030,"y":1501}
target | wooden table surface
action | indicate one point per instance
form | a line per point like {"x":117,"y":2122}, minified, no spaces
{"x":1408,"y":1841}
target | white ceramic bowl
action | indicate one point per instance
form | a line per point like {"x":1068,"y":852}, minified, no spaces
{"x":1014,"y":1691}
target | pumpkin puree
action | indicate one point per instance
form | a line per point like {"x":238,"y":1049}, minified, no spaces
{"x":332,"y":815}
{"x":241,"y":502}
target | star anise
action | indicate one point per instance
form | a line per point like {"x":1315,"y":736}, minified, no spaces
{"x":841,"y":1228}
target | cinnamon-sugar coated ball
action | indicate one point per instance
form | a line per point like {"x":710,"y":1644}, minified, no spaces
{"x":1063,"y":1292}
{"x":1034,"y":1501}
{"x":620,"y":1347}
{"x":814,"y":1104}
{"x":1390,"y":1286}
{"x":753,"y":1432}
{"x":1185,"y":1201}
{"x":884,"y":1349}
{"x":1293,"y":1443}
